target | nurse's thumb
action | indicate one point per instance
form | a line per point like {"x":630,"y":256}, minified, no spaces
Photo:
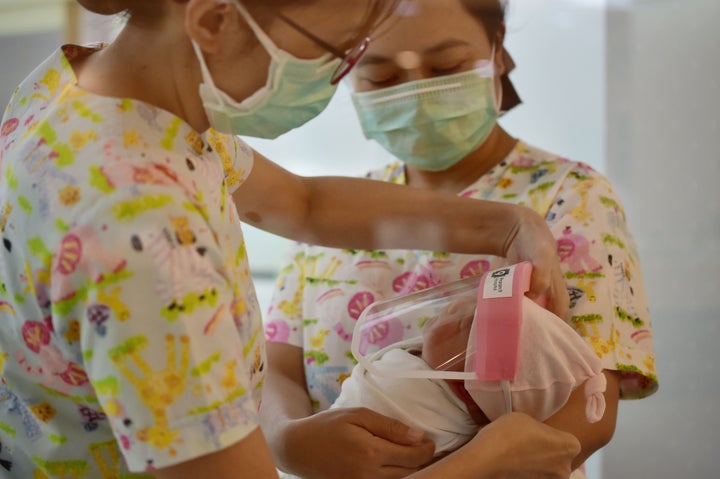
{"x":391,"y":429}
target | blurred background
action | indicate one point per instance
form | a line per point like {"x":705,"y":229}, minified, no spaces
{"x":631,"y":87}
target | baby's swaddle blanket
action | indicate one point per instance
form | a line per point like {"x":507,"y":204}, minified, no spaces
{"x":553,"y":361}
{"x":425,"y":404}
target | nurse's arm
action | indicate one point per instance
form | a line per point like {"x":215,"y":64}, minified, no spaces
{"x":367,"y":214}
{"x":571,"y":418}
{"x":249,"y":458}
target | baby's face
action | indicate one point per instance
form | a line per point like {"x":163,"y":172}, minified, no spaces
{"x":445,"y":338}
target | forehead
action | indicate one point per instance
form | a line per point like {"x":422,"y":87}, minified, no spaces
{"x":420,"y":25}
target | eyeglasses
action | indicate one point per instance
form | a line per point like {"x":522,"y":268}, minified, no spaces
{"x":349,"y":58}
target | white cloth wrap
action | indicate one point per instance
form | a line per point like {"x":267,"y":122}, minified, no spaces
{"x":425,"y":404}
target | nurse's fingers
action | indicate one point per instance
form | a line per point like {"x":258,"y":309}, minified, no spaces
{"x":555,"y":297}
{"x":531,"y":240}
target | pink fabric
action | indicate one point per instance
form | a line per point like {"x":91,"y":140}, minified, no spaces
{"x":553,"y":361}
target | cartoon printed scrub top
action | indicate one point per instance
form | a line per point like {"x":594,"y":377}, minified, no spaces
{"x":321,"y":292}
{"x":129,"y":325}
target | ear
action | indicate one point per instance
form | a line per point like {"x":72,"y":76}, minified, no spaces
{"x":209,"y":22}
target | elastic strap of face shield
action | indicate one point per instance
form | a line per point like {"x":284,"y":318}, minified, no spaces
{"x":368,"y":362}
{"x":506,"y":394}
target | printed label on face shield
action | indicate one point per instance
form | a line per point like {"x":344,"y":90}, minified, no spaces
{"x":499,"y":283}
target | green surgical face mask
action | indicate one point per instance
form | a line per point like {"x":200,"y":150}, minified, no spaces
{"x":296,"y":91}
{"x":431,"y":124}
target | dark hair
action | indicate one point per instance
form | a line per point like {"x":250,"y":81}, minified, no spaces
{"x":147,"y":11}
{"x":141,"y":9}
{"x":378,"y":10}
{"x":491,"y":15}
{"x":103,"y":7}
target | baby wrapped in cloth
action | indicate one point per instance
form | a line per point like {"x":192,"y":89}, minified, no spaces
{"x":404,"y":379}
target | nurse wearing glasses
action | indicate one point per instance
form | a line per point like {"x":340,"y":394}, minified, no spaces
{"x":131,"y":343}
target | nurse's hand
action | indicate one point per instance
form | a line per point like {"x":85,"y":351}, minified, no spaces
{"x":519,"y":447}
{"x":515,"y":446}
{"x":354,"y":443}
{"x":531,"y":240}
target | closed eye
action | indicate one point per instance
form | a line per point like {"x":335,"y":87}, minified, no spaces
{"x":443,"y":70}
{"x":386,"y":81}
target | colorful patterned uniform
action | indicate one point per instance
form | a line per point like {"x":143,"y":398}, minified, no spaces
{"x":128,"y":319}
{"x":321,"y":292}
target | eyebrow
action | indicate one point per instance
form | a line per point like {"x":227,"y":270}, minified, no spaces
{"x":450,"y":43}
{"x":370,"y":59}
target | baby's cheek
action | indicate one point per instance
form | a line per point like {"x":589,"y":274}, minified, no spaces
{"x":475,"y":412}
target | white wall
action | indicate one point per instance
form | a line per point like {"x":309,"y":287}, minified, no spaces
{"x":559,"y":48}
{"x":663,"y":143}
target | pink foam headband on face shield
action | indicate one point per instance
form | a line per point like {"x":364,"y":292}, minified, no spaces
{"x":517,"y":355}
{"x":495,"y":333}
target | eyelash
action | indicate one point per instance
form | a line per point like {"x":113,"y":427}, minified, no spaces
{"x":395,"y":78}
{"x":384,"y":82}
{"x":451,"y":69}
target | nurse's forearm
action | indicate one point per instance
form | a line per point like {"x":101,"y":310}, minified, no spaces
{"x":285,"y":396}
{"x":344,"y":212}
{"x":571,"y":418}
{"x":366,"y":214}
{"x":514,"y":445}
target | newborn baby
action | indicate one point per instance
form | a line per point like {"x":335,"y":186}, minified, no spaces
{"x":553,"y":360}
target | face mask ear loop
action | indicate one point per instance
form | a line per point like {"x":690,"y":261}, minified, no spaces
{"x":266,"y":41}
{"x":499,"y":99}
{"x":497,"y":91}
{"x":508,"y":397}
{"x":207,"y":77}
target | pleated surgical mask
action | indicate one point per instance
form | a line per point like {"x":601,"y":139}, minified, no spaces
{"x":296,"y":91}
{"x":434,"y":123}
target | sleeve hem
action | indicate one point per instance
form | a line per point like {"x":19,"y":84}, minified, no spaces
{"x":199,"y":438}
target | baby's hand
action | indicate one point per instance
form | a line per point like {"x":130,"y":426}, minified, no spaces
{"x":445,"y":338}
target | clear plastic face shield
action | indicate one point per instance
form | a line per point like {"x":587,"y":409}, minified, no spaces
{"x":465,"y":330}
{"x":510,"y":353}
